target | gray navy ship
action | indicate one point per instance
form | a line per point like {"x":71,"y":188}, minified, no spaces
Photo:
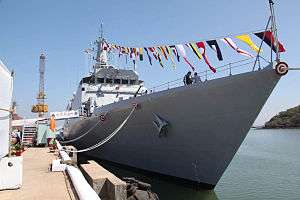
{"x":187,"y":133}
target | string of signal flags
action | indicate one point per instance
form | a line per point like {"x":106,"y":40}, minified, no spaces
{"x":176,"y":51}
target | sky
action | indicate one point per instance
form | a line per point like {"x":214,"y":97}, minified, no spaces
{"x":62,"y":29}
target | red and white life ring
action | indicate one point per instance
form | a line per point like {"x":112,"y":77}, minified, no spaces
{"x":282,"y":68}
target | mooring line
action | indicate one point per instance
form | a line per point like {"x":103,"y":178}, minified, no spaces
{"x":107,"y":138}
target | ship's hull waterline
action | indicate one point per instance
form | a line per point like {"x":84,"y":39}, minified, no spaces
{"x":207,"y":124}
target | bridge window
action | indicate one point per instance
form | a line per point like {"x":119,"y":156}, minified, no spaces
{"x":124,"y":81}
{"x":132,"y":82}
{"x":89,"y":79}
{"x":100,"y":80}
{"x":93,"y":80}
{"x":83,"y":89}
{"x":117,"y":81}
{"x":109,"y":80}
{"x":86,"y":79}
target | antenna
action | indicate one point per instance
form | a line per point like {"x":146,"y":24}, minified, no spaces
{"x":101,"y":30}
{"x":88,"y":52}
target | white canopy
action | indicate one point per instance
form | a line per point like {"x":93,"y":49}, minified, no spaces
{"x":6,"y":88}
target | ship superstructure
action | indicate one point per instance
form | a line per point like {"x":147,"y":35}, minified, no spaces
{"x":105,"y":85}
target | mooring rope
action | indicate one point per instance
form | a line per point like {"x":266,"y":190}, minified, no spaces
{"x":4,"y":109}
{"x":75,"y":139}
{"x":107,"y":138}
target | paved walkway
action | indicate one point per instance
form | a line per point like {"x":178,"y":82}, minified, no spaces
{"x":38,"y":182}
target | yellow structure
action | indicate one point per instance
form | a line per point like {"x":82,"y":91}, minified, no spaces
{"x":41,"y":108}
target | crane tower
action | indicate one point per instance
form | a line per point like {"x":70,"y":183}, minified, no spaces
{"x":41,"y":108}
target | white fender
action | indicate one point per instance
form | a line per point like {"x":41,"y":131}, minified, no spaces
{"x":83,"y":189}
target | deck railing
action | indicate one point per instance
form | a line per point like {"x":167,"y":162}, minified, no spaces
{"x":229,"y":69}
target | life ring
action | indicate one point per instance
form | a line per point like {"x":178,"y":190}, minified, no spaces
{"x":102,"y":118}
{"x":282,"y":68}
{"x":136,"y":105}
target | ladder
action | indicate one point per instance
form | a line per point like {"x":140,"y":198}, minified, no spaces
{"x":29,"y":135}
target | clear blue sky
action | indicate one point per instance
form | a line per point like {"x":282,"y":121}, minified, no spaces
{"x":64,"y":28}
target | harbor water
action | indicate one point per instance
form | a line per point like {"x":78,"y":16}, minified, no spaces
{"x":267,"y":166}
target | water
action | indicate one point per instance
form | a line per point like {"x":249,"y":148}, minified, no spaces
{"x":267,"y":166}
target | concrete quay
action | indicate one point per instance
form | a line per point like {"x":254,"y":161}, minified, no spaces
{"x":38,"y":181}
{"x":105,"y":184}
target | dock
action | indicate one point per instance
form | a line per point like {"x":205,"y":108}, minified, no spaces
{"x":38,"y":181}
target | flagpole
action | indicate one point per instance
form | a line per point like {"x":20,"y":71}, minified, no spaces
{"x":274,"y":29}
{"x":261,"y":43}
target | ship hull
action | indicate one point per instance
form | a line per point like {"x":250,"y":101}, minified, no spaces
{"x":207,"y":123}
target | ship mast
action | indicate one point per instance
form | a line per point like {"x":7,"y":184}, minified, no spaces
{"x":101,"y":56}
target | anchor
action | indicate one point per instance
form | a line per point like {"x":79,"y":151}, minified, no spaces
{"x":161,"y":124}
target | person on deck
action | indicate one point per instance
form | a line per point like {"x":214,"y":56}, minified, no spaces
{"x":196,"y":78}
{"x":187,"y":80}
